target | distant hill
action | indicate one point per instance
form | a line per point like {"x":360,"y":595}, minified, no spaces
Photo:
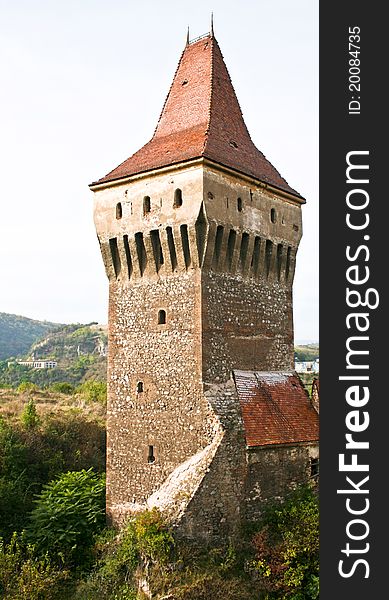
{"x":18,"y":333}
{"x":306,"y":352}
{"x":79,"y":350}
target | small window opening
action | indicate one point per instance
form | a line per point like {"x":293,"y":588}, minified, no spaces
{"x":210,"y":196}
{"x":161,"y":317}
{"x":184,"y":82}
{"x":139,"y":387}
{"x":233,"y":144}
{"x":314,"y":467}
{"x":157,"y":249}
{"x":177,"y":198}
{"x":295,"y":227}
{"x":119,"y":210}
{"x":273,"y":216}
{"x":146,"y":205}
{"x":150,"y":455}
{"x":239,"y":204}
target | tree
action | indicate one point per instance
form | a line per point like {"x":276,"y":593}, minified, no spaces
{"x":287,"y":548}
{"x":68,"y":513}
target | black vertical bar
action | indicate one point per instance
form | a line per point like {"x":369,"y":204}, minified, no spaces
{"x":353,"y":125}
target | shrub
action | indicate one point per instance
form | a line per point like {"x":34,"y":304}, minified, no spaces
{"x":68,"y":513}
{"x":93,"y":391}
{"x":27,"y":387}
{"x":62,"y":387}
{"x":24,"y":575}
{"x":29,"y":416}
{"x":287,"y":548}
{"x":154,"y":539}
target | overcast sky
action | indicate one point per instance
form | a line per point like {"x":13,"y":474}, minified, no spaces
{"x":82,"y":86}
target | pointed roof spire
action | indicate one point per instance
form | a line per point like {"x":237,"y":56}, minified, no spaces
{"x":201,"y":117}
{"x":212,"y":31}
{"x":187,"y":36}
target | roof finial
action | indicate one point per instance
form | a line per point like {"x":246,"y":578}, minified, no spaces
{"x":212,"y":32}
{"x":187,"y":36}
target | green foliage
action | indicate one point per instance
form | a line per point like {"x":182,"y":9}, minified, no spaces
{"x":113,"y":576}
{"x":68,"y":512}
{"x":31,"y":457}
{"x":287,"y":547}
{"x":27,"y":387}
{"x":307,"y":353}
{"x":154,"y":539}
{"x":93,"y":391}
{"x":29,"y":416}
{"x":26,"y":576}
{"x":62,"y":387}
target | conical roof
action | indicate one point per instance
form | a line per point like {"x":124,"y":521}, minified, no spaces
{"x":201,"y":117}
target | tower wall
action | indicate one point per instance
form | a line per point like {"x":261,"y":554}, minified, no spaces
{"x":248,"y":270}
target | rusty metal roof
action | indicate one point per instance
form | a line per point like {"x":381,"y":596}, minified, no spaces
{"x":201,"y":117}
{"x":276,"y":408}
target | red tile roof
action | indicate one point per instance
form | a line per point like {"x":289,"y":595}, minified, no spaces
{"x":276,"y":409}
{"x":201,"y":117}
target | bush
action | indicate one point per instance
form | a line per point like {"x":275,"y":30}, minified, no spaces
{"x":287,"y":548}
{"x":93,"y":391}
{"x":24,"y":575}
{"x":68,"y":513}
{"x":27,"y":387}
{"x":62,"y":387}
{"x":29,"y":416}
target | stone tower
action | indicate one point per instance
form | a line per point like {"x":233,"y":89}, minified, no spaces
{"x":199,"y":234}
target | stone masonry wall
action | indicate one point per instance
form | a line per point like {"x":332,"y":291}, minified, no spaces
{"x":273,"y":472}
{"x":170,"y":414}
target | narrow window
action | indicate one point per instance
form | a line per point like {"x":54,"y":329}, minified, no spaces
{"x":239,"y":204}
{"x":287,"y":269}
{"x":161,"y":317}
{"x":279,"y":261}
{"x":273,"y":216}
{"x":128,"y":255}
{"x":139,"y":387}
{"x":230,"y":248}
{"x":255,"y":257}
{"x":150,"y":455}
{"x":268,"y":254}
{"x":218,"y":245}
{"x":185,"y":244}
{"x":119,"y":210}
{"x":113,"y":244}
{"x":243,"y":250}
{"x":314,"y":467}
{"x":172,"y":248}
{"x":177,"y":198}
{"x":141,"y":251}
{"x":157,"y":249}
{"x":146,"y":205}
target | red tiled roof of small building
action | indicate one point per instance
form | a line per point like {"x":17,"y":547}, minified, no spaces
{"x":201,"y":117}
{"x":276,"y":409}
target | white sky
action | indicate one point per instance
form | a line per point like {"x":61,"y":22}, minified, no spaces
{"x":82,"y":86}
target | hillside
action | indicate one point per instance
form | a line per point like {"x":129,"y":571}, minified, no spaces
{"x":79,"y":350}
{"x":18,"y":333}
{"x":307,"y":352}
